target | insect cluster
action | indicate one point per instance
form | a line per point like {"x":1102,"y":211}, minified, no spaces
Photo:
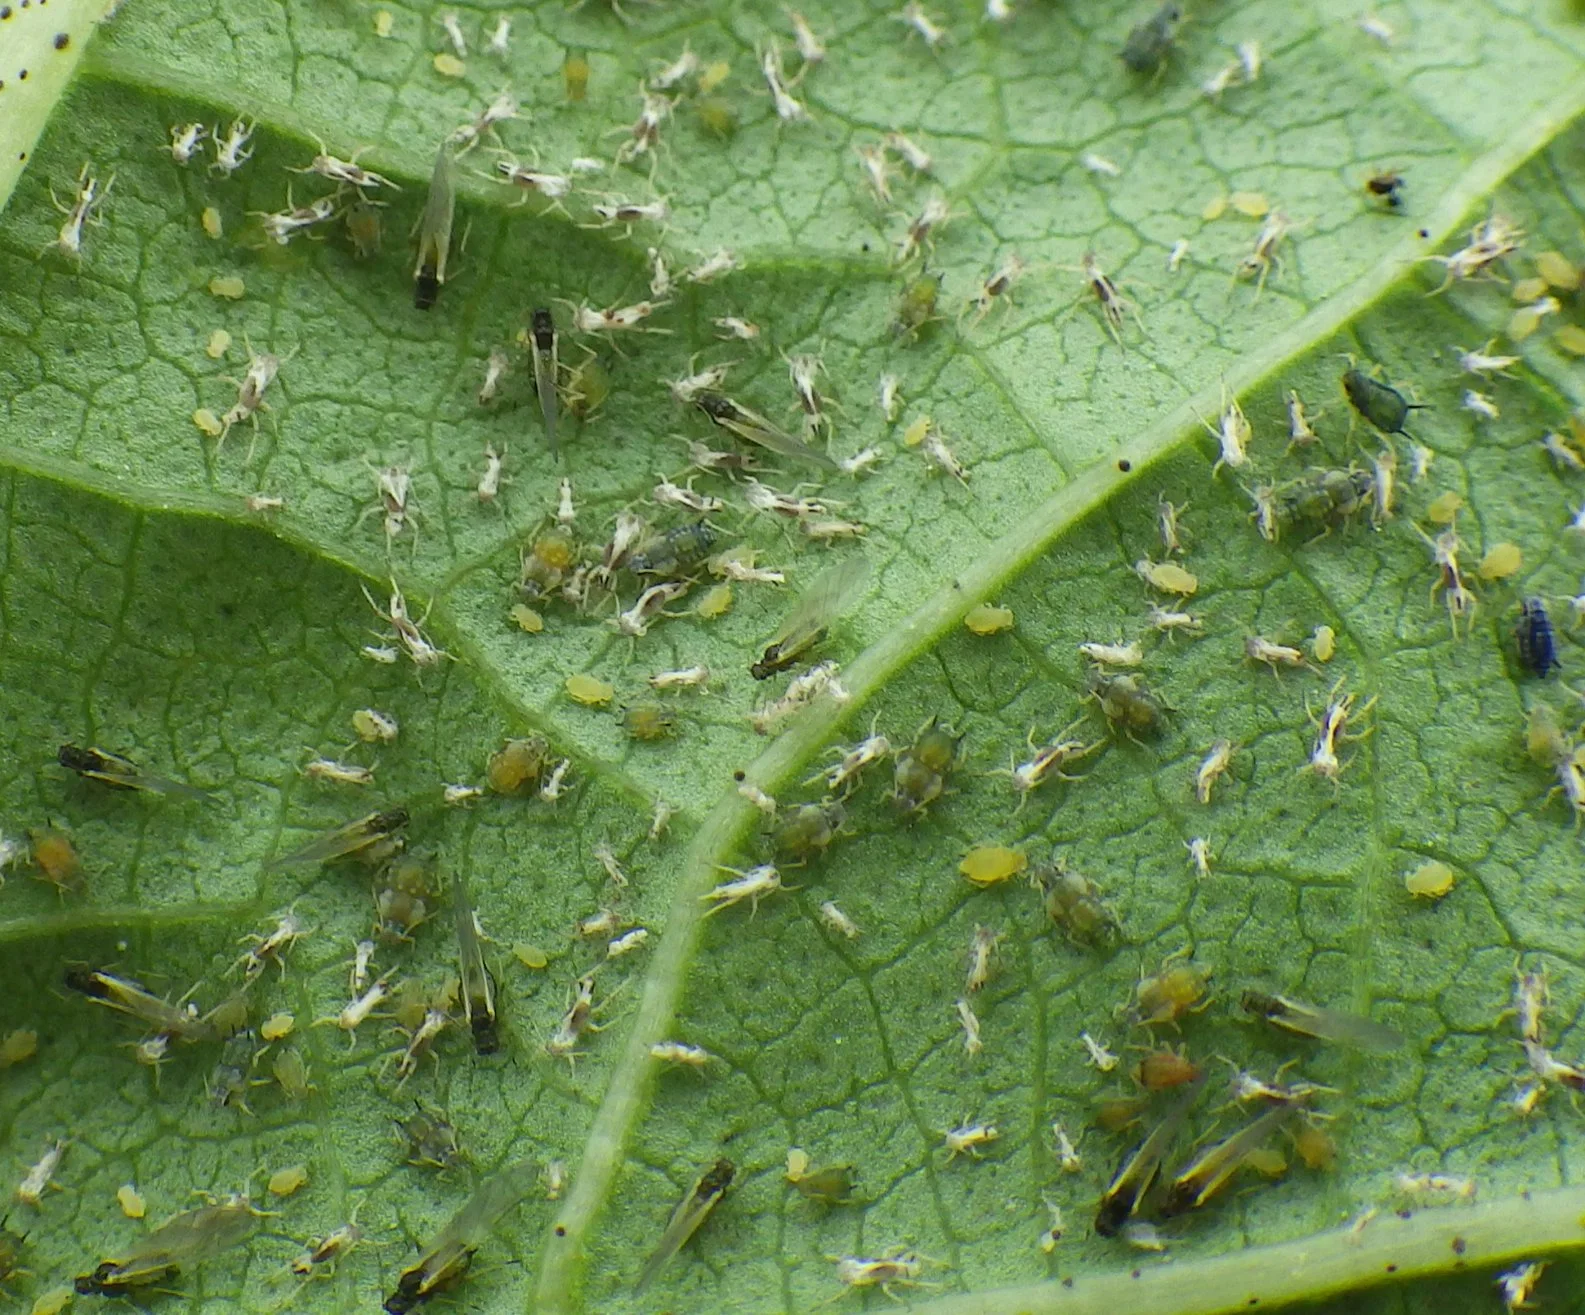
{"x":750,"y":499}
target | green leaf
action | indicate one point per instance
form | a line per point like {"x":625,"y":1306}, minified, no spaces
{"x":145,"y":609}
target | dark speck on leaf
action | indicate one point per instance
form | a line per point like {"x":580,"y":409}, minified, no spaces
{"x":1406,"y":1214}
{"x":1125,"y":465}
{"x":1458,"y":1246}
{"x":62,"y":41}
{"x":1135,"y":1274}
{"x":1068,"y":1282}
{"x":1392,"y":1269}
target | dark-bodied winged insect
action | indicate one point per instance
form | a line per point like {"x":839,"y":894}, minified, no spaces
{"x":542,"y":342}
{"x":349,"y":839}
{"x":121,"y":773}
{"x":130,"y":997}
{"x":829,"y":595}
{"x":1142,"y":1166}
{"x":478,"y":986}
{"x":183,"y":1240}
{"x":1322,"y":1024}
{"x":754,"y":428}
{"x":434,"y":230}
{"x":1210,"y":1170}
{"x":685,"y":1220}
{"x":445,"y":1260}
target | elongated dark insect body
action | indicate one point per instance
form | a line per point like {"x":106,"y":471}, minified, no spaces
{"x":677,"y":551}
{"x":1537,"y":642}
{"x":686,"y":1219}
{"x":1323,"y":1024}
{"x":120,"y":773}
{"x":542,"y":330}
{"x":434,"y":233}
{"x":1142,"y":1166}
{"x":1380,"y":403}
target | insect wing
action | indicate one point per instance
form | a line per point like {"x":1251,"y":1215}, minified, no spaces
{"x":685,"y":1220}
{"x":754,"y":428}
{"x":478,"y":990}
{"x":191,"y":1236}
{"x":121,"y":773}
{"x":543,"y":334}
{"x":348,"y":839}
{"x":831,"y":593}
{"x":1322,"y":1024}
{"x":434,"y":234}
{"x":1208,"y":1172}
{"x":1141,"y":1166}
{"x":445,"y":1259}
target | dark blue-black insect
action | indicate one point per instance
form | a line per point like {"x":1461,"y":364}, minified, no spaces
{"x":1537,"y":642}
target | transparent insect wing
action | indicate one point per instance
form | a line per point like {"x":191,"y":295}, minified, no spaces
{"x":121,"y":773}
{"x":754,"y":428}
{"x":1142,"y":1165}
{"x":447,"y":1257}
{"x":348,"y":839}
{"x":434,"y":233}
{"x":478,"y":988}
{"x":691,"y":1212}
{"x":1322,"y":1024}
{"x":829,"y":596}
{"x":1209,"y":1171}
{"x":189,"y":1237}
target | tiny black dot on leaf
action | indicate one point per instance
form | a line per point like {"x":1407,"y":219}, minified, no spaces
{"x":62,"y":41}
{"x":22,"y":75}
{"x":1135,"y":1274}
{"x":1068,"y":1282}
{"x":1125,"y":465}
{"x":1392,"y":1269}
{"x":561,"y":1230}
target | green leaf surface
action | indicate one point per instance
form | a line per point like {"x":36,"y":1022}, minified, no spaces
{"x":145,"y":609}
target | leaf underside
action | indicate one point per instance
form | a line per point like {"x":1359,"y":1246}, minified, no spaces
{"x":143,"y":608}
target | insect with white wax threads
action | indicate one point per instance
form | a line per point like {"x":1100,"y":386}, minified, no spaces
{"x":1531,"y":995}
{"x":861,"y":462}
{"x":802,"y":371}
{"x":667,"y":494}
{"x":1274,"y":655}
{"x":346,"y":172}
{"x":789,"y":109}
{"x":680,"y":1052}
{"x":553,"y":187}
{"x":273,"y":946}
{"x":627,"y":943}
{"x":355,"y":837}
{"x":753,"y":885}
{"x":613,"y":319}
{"x":660,"y":276}
{"x":260,"y":374}
{"x":736,"y":327}
{"x":877,"y":172}
{"x":752,"y":427}
{"x":446,"y":1259}
{"x":119,"y":773}
{"x":501,"y":35}
{"x":687,"y":1218}
{"x":555,"y":784}
{"x":420,"y":1042}
{"x":933,"y":447}
{"x":900,"y":1266}
{"x":331,"y":772}
{"x":1233,"y":432}
{"x":678,"y":71}
{"x":1199,"y":854}
{"x":913,"y":16}
{"x":1564,"y":457}
{"x":1491,"y":240}
{"x":635,"y":622}
{"x":578,"y":1020}
{"x":1229,"y":75}
{"x":1480,"y":361}
{"x":712,"y":267}
{"x":1264,"y":257}
{"x":1113,"y":655}
{"x":830,"y":595}
{"x":1516,"y":1286}
{"x":981,"y":950}
{"x":604,"y":856}
{"x":841,"y":777}
{"x":834,"y":920}
{"x":1460,"y":601}
{"x":1331,"y":731}
{"x":1435,"y":1187}
{"x":393,"y":490}
{"x":1479,"y":405}
{"x":1113,"y":305}
{"x":185,"y":141}
{"x":761,"y":497}
{"x":1102,"y":1058}
{"x":181,"y":1241}
{"x":757,"y":797}
{"x":358,"y":967}
{"x":1170,"y":622}
{"x":357,"y":1011}
{"x":30,"y":1191}
{"x":644,"y":135}
{"x":434,"y":229}
{"x":801,"y":692}
{"x":502,"y":108}
{"x":920,"y":231}
{"x":1047,"y":763}
{"x":1215,"y":765}
{"x":1099,"y":164}
{"x":1067,"y":1153}
{"x":970,"y":1021}
{"x":409,"y":632}
{"x":490,"y":478}
{"x":1384,"y":465}
{"x":1301,"y":433}
{"x":229,"y":153}
{"x":321,"y":1253}
{"x":811,"y":50}
{"x":282,"y":226}
{"x":453,"y":30}
{"x":477,"y":983}
{"x":686,"y":678}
